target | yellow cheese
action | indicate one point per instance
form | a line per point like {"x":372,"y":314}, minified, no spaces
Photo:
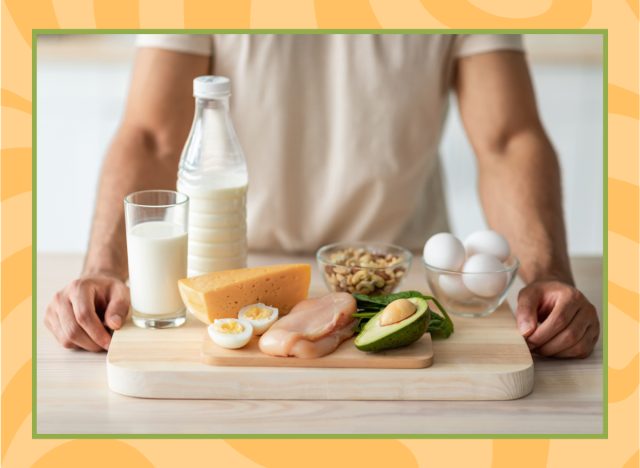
{"x":222,"y":294}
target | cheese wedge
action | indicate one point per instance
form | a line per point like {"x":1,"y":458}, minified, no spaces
{"x":222,"y":294}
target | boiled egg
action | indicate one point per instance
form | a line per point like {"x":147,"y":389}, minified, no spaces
{"x":484,"y":275}
{"x":230,"y":333}
{"x":453,"y":287}
{"x":260,"y":316}
{"x":487,"y":242}
{"x":444,"y":251}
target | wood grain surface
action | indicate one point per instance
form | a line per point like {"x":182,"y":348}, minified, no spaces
{"x":415,"y":356}
{"x":485,"y":359}
{"x":73,"y":397}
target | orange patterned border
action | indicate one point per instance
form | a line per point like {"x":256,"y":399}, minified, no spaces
{"x":19,"y":17}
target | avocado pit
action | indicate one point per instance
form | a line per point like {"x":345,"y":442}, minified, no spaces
{"x":397,"y":311}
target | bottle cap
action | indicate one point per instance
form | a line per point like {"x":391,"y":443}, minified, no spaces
{"x":211,"y":87}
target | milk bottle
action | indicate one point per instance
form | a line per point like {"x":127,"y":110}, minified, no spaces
{"x":213,"y":173}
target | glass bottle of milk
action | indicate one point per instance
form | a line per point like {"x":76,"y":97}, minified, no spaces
{"x":213,"y":172}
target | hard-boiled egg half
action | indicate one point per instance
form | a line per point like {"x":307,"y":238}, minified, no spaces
{"x":230,"y":333}
{"x":260,"y":316}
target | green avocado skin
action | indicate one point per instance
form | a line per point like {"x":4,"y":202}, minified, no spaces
{"x":402,"y":337}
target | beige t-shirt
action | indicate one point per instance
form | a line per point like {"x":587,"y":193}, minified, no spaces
{"x":341,"y":132}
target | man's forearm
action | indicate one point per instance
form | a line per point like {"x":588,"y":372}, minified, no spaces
{"x":520,"y":191}
{"x":134,"y":162}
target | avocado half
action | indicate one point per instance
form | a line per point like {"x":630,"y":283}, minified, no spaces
{"x":375,"y":337}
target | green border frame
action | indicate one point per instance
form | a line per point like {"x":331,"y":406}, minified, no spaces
{"x":604,"y":33}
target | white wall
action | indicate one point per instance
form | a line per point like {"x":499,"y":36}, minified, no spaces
{"x":82,"y":85}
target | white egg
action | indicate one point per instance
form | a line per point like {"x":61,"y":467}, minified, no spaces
{"x":453,"y":287}
{"x":487,"y":242}
{"x":260,"y":316}
{"x":484,"y":275}
{"x":444,"y":251}
{"x":230,"y":333}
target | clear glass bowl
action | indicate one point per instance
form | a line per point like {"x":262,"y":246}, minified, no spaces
{"x":363,"y":267}
{"x":458,"y":291}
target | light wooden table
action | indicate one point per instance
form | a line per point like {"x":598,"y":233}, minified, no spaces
{"x":73,"y":396}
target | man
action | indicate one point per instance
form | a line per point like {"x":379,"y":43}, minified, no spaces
{"x":341,"y":134}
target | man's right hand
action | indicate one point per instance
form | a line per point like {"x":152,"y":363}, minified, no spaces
{"x":80,"y":314}
{"x":148,"y":144}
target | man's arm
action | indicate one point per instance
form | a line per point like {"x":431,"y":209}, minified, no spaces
{"x":519,"y":183}
{"x":146,"y":149}
{"x":144,"y":154}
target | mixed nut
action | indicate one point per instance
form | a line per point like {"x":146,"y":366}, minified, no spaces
{"x":357,"y":270}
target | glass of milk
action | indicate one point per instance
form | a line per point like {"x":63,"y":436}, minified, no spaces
{"x":156,"y":223}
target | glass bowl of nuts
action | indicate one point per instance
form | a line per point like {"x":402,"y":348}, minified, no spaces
{"x":363,"y":268}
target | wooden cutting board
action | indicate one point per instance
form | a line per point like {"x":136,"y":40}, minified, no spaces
{"x":485,"y":359}
{"x":416,"y":356}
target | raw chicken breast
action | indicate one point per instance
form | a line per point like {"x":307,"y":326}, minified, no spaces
{"x":313,"y":328}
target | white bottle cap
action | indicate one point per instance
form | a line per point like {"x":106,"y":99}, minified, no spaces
{"x":211,"y":87}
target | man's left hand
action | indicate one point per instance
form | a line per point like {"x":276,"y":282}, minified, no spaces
{"x":557,"y":320}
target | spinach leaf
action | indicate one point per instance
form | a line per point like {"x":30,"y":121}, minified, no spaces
{"x":377,"y":301}
{"x":440,"y":325}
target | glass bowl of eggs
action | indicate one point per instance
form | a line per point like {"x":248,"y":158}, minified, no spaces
{"x":362,"y":267}
{"x":471,"y":279}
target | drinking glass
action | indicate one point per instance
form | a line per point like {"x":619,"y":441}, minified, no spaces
{"x":156,"y":224}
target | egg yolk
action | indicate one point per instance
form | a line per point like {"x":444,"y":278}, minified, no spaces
{"x":257,"y":313}
{"x":229,"y":327}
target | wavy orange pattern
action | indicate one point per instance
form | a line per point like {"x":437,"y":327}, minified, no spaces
{"x":217,"y":14}
{"x":124,"y":13}
{"x":30,"y":15}
{"x":16,"y":280}
{"x":16,"y":172}
{"x":20,"y":17}
{"x":12,"y":100}
{"x":529,"y":453}
{"x":338,"y":14}
{"x":623,"y":101}
{"x":464,"y":14}
{"x":16,"y":405}
{"x":93,"y":453}
{"x":287,"y":454}
{"x":625,"y":300}
{"x":624,"y":382}
{"x":619,"y":220}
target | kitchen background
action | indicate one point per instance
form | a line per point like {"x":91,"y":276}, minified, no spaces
{"x":82,"y":86}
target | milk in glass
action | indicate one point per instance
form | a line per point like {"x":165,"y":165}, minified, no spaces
{"x":156,"y":228}
{"x":157,"y":252}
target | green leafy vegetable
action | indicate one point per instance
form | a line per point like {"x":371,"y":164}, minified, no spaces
{"x":440,"y":325}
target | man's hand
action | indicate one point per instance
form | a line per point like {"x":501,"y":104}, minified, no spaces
{"x":519,"y":183}
{"x":143,"y":155}
{"x":79,"y":313}
{"x":568,"y":327}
